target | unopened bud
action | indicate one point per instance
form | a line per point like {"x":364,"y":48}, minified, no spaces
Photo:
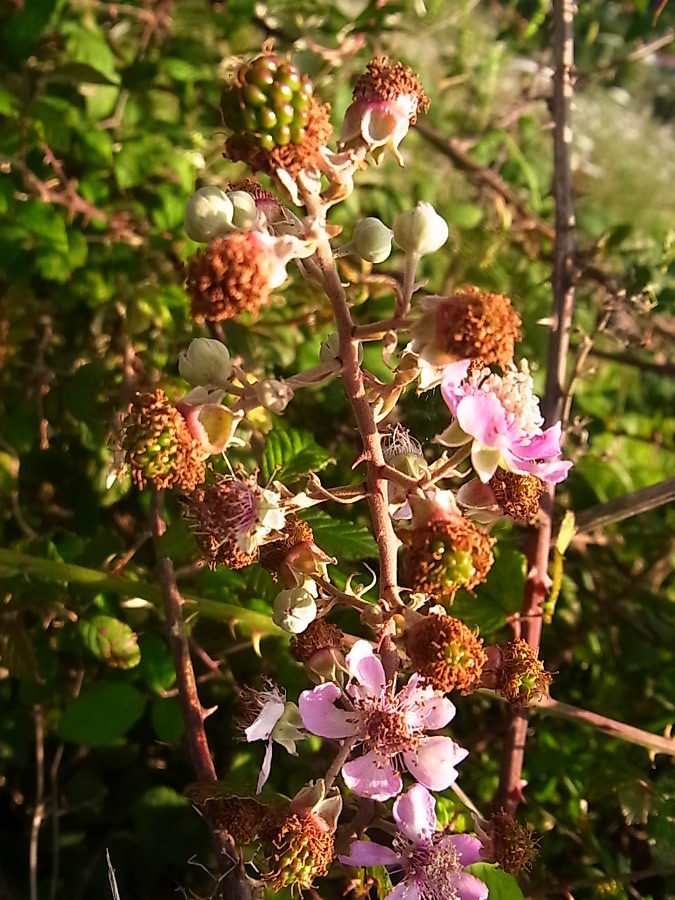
{"x":330,"y":349}
{"x":273,"y":395}
{"x":420,"y":230}
{"x":205,"y":363}
{"x":208,"y":214}
{"x":245,"y":211}
{"x":371,"y":240}
{"x":294,"y":610}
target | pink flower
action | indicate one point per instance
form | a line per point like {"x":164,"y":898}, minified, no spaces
{"x":501,"y":414}
{"x":432,"y":862}
{"x":388,"y":725}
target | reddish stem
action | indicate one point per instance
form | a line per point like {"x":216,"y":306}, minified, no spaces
{"x":509,"y":794}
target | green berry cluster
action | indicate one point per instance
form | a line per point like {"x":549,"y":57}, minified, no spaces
{"x":269,"y":102}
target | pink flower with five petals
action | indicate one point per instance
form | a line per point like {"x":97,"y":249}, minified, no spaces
{"x":390,"y":726}
{"x":501,"y":414}
{"x":432,"y":862}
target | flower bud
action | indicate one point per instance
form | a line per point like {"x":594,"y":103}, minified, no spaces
{"x":205,"y":363}
{"x":211,"y":424}
{"x":330,"y":349}
{"x":420,"y":230}
{"x":245,"y":211}
{"x":208,"y":214}
{"x":273,"y":395}
{"x":371,"y":240}
{"x":294,"y":610}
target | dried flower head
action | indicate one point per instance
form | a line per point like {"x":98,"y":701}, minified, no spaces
{"x":386,"y":101}
{"x":231,"y":276}
{"x":320,"y":635}
{"x":446,"y":554}
{"x":158,"y":446}
{"x":471,"y":324}
{"x":240,"y":817}
{"x":520,"y":674}
{"x":273,"y":554}
{"x":516,"y":495}
{"x":231,"y":518}
{"x":508,"y":843}
{"x":448,"y":655}
{"x":298,"y":847}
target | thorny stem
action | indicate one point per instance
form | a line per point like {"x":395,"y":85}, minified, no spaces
{"x":352,"y":377}
{"x":509,"y":793}
{"x":656,"y":743}
{"x":234,"y":883}
{"x":193,"y":712}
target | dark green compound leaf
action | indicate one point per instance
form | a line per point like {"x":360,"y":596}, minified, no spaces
{"x":344,"y":540}
{"x":502,"y":886}
{"x":289,"y":453}
{"x":110,"y":640}
{"x":101,"y":715}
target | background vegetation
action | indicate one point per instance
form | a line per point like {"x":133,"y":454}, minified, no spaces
{"x":108,"y":118}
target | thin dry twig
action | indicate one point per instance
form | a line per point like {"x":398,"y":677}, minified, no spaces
{"x":625,"y":507}
{"x":529,"y":626}
{"x":39,"y":808}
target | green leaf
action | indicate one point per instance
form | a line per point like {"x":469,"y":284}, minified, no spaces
{"x":101,"y":715}
{"x":339,"y":538}
{"x":499,"y":597}
{"x":289,"y":453}
{"x":502,"y":886}
{"x":111,"y":640}
{"x":166,"y":716}
{"x":156,"y":668}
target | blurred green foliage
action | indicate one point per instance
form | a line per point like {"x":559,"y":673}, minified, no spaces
{"x":108,"y":119}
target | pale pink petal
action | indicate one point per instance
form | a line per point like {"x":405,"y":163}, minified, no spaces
{"x":433,"y":762}
{"x":551,"y":472}
{"x":366,"y":853}
{"x":467,"y":847}
{"x":265,"y":770}
{"x":268,"y":717}
{"x":483,"y":417}
{"x":540,"y":446}
{"x":372,"y":776}
{"x":468,"y":887}
{"x":430,"y":711}
{"x":476,"y":495}
{"x":320,"y":716}
{"x":404,"y":890}
{"x":415,"y":813}
{"x":453,"y":375}
{"x":366,"y":668}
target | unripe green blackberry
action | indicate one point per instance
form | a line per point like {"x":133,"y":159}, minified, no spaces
{"x":298,"y":849}
{"x":446,"y":554}
{"x":269,"y":102}
{"x":158,"y":446}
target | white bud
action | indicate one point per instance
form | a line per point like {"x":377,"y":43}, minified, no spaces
{"x":208,"y":214}
{"x":420,"y":230}
{"x":330,"y":349}
{"x":273,"y":395}
{"x":205,"y":363}
{"x":294,"y":610}
{"x":371,"y":240}
{"x":245,"y":209}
